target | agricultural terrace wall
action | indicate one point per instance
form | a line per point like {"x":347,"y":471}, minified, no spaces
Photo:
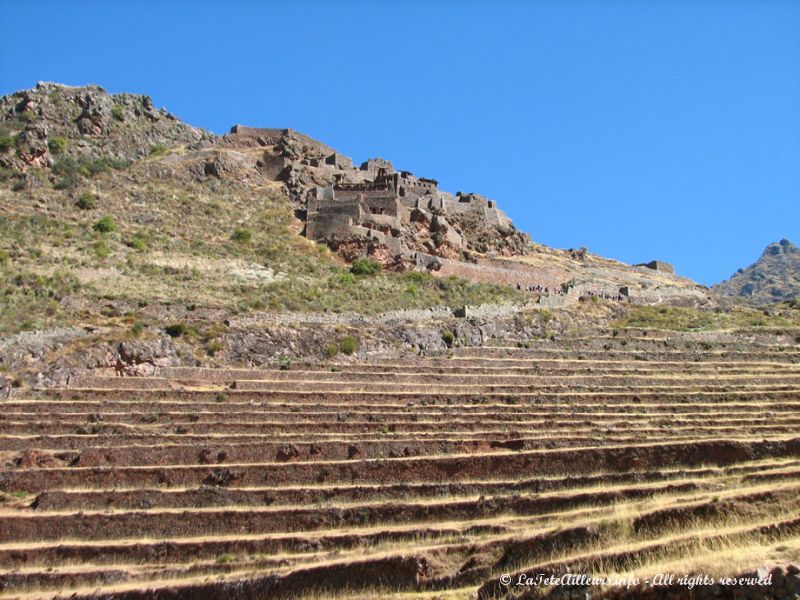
{"x":502,"y":272}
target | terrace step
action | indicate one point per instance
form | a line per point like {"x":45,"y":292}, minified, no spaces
{"x":406,"y":470}
{"x":347,"y":398}
{"x":312,"y":495}
{"x":438,"y":472}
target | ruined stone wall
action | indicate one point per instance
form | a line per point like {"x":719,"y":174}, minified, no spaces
{"x":478,"y":206}
{"x":339,"y":161}
{"x":501,"y":272}
{"x":326,"y":188}
{"x":319,"y":226}
{"x":377,"y":203}
{"x":385,"y":205}
{"x":658,"y":265}
{"x":351,"y":209}
{"x":378,"y":219}
{"x":263,"y":136}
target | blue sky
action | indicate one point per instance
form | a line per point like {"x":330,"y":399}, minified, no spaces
{"x":642,"y":130}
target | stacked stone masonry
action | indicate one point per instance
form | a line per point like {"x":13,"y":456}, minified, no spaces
{"x":372,"y":202}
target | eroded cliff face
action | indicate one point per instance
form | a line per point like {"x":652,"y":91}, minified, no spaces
{"x":774,"y":277}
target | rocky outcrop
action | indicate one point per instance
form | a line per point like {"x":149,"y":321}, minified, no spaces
{"x":44,"y":359}
{"x":53,"y":122}
{"x":774,"y":277}
{"x":140,"y":358}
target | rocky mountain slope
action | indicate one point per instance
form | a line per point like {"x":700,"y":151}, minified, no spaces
{"x":112,"y":208}
{"x":774,"y":277}
{"x":129,"y":236}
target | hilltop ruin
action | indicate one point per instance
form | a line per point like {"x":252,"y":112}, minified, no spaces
{"x":407,"y":223}
{"x":61,"y":143}
{"x":374,"y":204}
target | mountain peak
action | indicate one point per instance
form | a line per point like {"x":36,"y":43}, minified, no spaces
{"x":774,"y":277}
{"x":52,"y":121}
{"x":782,"y":247}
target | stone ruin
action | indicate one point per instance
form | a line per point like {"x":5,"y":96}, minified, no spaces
{"x":407,"y":223}
{"x":658,"y":265}
{"x":374,"y":205}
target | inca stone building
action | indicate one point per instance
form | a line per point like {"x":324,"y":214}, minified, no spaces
{"x":408,"y":215}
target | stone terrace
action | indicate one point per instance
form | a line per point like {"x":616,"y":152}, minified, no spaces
{"x":421,"y":475}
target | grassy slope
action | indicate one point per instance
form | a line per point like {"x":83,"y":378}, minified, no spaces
{"x":179,"y":240}
{"x":676,"y":318}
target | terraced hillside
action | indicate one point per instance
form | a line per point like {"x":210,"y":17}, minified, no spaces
{"x":639,"y":453}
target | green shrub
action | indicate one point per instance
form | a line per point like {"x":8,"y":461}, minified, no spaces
{"x":101,"y":249}
{"x":137,"y":242}
{"x":419,"y":278}
{"x":137,"y":329}
{"x":87,"y":201}
{"x":347,"y":278}
{"x":95,"y":167}
{"x":176,"y":330}
{"x":412,"y":290}
{"x":117,"y":112}
{"x":4,"y":258}
{"x":106,"y":224}
{"x":28,"y":116}
{"x":213,"y":347}
{"x":158,"y":150}
{"x":6,"y":143}
{"x":348,"y":344}
{"x":65,"y":183}
{"x":55,"y":286}
{"x":66,"y":166}
{"x":330,"y":350}
{"x":448,"y":337}
{"x":118,"y":163}
{"x":285,"y":363}
{"x":365,"y":266}
{"x":57,"y":144}
{"x":242,"y":235}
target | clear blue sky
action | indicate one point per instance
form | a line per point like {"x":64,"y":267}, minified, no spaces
{"x":642,"y":130}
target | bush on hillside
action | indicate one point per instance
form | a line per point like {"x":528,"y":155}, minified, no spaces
{"x":87,"y":201}
{"x":57,"y":144}
{"x":242,"y":235}
{"x":348,"y":345}
{"x":448,"y":337}
{"x":175,"y":330}
{"x":106,"y":224}
{"x":365,"y":266}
